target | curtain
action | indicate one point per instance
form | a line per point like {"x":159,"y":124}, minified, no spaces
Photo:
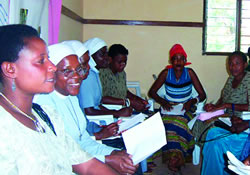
{"x":55,"y":7}
{"x":4,"y":11}
{"x":30,"y":12}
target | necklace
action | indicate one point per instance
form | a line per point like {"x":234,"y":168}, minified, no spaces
{"x":39,"y":127}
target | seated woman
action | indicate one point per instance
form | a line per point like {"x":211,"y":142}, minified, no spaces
{"x":178,"y":82}
{"x":113,"y":79}
{"x":33,"y":141}
{"x":245,"y":154}
{"x":100,"y":132}
{"x":69,"y":76}
{"x":235,"y":98}
{"x":90,"y":94}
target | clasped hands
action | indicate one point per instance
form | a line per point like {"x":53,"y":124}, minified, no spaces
{"x":121,"y":161}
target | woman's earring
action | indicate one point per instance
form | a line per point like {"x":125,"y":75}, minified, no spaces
{"x":13,"y":86}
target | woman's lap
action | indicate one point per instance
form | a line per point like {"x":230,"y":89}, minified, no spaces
{"x":214,"y":151}
{"x":179,"y":136}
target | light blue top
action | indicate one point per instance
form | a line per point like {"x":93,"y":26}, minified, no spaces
{"x":75,"y":122}
{"x":90,"y":94}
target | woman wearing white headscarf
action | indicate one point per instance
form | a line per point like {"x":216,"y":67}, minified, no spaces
{"x":90,"y":94}
{"x":100,"y":132}
{"x":69,"y":75}
{"x":33,"y":140}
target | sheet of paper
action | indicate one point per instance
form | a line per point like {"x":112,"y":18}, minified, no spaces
{"x":236,"y":165}
{"x":245,"y":115}
{"x":112,"y":107}
{"x":192,"y":122}
{"x":101,"y":119}
{"x":176,"y":110}
{"x":226,"y":120}
{"x":131,"y":121}
{"x":145,"y":138}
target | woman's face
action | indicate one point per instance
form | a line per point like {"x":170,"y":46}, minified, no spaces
{"x":84,"y":59}
{"x":236,"y":65}
{"x":101,"y":58}
{"x":35,"y":72}
{"x":118,"y":63}
{"x":178,"y":61}
{"x":69,"y":76}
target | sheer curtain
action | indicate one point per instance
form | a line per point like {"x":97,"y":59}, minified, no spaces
{"x":55,"y":7}
{"x":4,"y":12}
{"x":43,"y":15}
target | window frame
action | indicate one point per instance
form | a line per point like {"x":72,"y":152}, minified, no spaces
{"x":238,"y":27}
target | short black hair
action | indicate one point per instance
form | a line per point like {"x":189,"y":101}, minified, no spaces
{"x":239,"y":53}
{"x":117,"y":49}
{"x":13,"y":40}
{"x":248,"y":53}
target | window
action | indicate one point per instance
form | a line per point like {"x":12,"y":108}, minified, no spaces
{"x":227,"y":26}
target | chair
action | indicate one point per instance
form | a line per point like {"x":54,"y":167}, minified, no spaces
{"x":136,"y":86}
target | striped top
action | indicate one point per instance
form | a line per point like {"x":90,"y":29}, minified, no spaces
{"x":178,"y":91}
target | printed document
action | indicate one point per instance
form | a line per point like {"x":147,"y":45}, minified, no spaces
{"x":145,"y":138}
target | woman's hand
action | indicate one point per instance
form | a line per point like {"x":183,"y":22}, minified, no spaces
{"x":188,"y":104}
{"x":247,"y":161}
{"x":239,"y":126}
{"x":235,"y":120}
{"x":139,"y":104}
{"x":124,"y":112}
{"x":121,"y":162}
{"x":109,"y":130}
{"x":166,"y":105}
{"x":209,"y":107}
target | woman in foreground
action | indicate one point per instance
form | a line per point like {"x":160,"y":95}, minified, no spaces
{"x":29,"y":145}
{"x":235,"y":99}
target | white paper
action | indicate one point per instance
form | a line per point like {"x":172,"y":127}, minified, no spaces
{"x":192,"y":122}
{"x":129,"y":122}
{"x":176,"y":110}
{"x":226,"y":120}
{"x":245,"y":115}
{"x":112,"y":107}
{"x":145,"y":138}
{"x":108,"y":119}
{"x":236,"y":165}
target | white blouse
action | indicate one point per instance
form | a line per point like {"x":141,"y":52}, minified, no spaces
{"x":26,"y":152}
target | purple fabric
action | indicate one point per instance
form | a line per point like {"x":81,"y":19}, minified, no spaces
{"x":55,"y":7}
{"x":208,"y":115}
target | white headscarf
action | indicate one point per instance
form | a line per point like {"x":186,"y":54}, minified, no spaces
{"x":77,"y":46}
{"x":93,"y":45}
{"x":59,"y":51}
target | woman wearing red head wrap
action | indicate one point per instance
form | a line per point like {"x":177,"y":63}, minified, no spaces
{"x":178,"y":82}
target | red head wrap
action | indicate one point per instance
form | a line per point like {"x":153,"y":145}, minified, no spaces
{"x":177,"y":48}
